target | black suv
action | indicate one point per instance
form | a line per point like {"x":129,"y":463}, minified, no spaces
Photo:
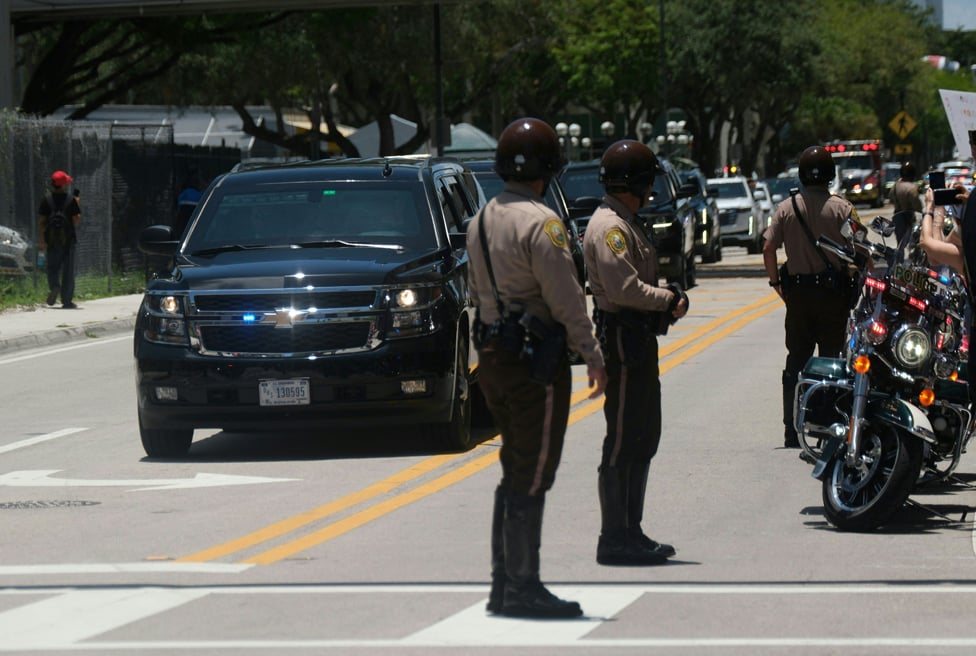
{"x":670,"y":217}
{"x":312,"y":295}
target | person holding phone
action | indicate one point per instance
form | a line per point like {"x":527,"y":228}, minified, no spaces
{"x":958,"y":248}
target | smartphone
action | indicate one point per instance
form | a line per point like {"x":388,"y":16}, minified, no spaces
{"x":945,"y":196}
{"x":937,"y":180}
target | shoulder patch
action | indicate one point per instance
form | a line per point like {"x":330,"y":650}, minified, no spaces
{"x":854,"y":214}
{"x":557,"y":233}
{"x":616,"y":241}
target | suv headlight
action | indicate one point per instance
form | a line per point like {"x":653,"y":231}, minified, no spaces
{"x":411,"y":311}
{"x":166,"y":321}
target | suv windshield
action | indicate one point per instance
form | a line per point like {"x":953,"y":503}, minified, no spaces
{"x":332,"y":213}
{"x":580,"y":182}
{"x":731,"y":189}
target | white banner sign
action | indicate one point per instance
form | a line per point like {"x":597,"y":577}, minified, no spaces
{"x":960,"y":108}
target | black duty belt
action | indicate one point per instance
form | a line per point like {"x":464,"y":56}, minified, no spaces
{"x":824,"y":279}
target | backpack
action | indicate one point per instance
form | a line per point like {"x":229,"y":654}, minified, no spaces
{"x":57,"y":221}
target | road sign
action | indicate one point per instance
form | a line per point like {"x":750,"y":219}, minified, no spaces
{"x":903,"y":149}
{"x":902,"y":124}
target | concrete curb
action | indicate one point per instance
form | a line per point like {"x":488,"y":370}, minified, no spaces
{"x":67,"y":334}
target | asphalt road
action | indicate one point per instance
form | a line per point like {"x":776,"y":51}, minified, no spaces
{"x":372,"y":543}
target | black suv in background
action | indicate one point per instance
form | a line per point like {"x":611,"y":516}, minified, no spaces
{"x":708,"y":234}
{"x":312,"y":295}
{"x":670,"y":217}
{"x":555,"y":199}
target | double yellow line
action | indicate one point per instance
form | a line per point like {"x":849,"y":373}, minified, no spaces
{"x":671,"y":354}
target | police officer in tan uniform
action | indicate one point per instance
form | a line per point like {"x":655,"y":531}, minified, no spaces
{"x":531,"y":308}
{"x":905,"y":200}
{"x":631,"y":310}
{"x":814,"y":284}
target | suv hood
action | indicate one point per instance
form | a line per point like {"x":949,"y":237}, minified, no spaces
{"x":277,"y":268}
{"x":733,"y":203}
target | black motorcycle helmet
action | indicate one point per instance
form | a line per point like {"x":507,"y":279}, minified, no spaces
{"x":816,"y":166}
{"x":628,"y":165}
{"x":907,"y":172}
{"x":528,"y":149}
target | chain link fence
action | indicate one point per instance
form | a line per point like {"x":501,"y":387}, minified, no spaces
{"x":128,"y":177}
{"x":30,"y":151}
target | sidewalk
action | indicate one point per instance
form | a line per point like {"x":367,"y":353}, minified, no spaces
{"x":42,"y":325}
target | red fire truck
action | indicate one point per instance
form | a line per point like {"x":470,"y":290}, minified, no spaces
{"x":859,"y":170}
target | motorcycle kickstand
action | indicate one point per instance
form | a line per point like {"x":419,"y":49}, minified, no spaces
{"x":932,"y":511}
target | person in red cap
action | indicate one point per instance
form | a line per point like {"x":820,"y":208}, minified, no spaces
{"x":60,"y":215}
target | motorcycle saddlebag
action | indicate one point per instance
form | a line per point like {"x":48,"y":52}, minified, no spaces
{"x":821,"y":384}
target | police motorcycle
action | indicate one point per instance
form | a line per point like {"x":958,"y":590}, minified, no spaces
{"x":894,"y":411}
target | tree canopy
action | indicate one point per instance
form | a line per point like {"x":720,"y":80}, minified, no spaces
{"x":755,"y":81}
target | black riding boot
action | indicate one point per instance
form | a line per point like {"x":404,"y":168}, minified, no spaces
{"x":497,"y":593}
{"x":616,"y":546}
{"x":637,"y":489}
{"x":525,"y":596}
{"x":790,"y":439}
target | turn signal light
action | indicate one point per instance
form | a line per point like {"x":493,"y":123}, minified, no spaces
{"x":926,"y":397}
{"x":954,"y":376}
{"x":862,"y":364}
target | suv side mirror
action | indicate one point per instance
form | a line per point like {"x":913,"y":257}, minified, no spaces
{"x":687,"y":190}
{"x":583,"y":206}
{"x":158,"y":240}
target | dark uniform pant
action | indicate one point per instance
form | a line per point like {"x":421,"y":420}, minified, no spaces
{"x":532,"y":419}
{"x":632,"y":405}
{"x":60,"y":263}
{"x":816,"y":318}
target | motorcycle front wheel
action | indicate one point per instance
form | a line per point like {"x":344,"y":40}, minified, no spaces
{"x":862,"y":498}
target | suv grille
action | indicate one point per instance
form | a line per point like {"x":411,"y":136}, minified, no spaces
{"x":311,"y":338}
{"x":272,"y":302}
{"x":727,"y":217}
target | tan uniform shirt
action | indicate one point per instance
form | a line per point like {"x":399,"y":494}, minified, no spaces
{"x":621,"y":263}
{"x":904,"y":196}
{"x":532,"y":264}
{"x":824,"y":215}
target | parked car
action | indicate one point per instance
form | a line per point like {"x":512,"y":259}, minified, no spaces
{"x":670,"y":219}
{"x":739,"y":213}
{"x":555,"y":198}
{"x":313,"y":295}
{"x":17,"y":254}
{"x":708,"y":240}
{"x":763,"y":194}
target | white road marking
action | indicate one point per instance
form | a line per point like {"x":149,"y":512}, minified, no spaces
{"x":472,"y":626}
{"x":74,"y":347}
{"x":66,"y":619}
{"x":70,"y":617}
{"x":31,"y":441}
{"x":43,"y":478}
{"x":161,"y":567}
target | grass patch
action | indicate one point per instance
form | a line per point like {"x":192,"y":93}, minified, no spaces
{"x":26,"y":291}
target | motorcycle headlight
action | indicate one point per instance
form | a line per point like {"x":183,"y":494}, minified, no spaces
{"x":912,"y":348}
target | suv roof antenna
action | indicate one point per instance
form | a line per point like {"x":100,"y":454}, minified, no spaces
{"x":387,"y":169}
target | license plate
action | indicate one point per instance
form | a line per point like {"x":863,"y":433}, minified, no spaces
{"x":290,"y":391}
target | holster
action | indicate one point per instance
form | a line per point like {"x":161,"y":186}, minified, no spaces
{"x":541,"y":346}
{"x":635,"y":328}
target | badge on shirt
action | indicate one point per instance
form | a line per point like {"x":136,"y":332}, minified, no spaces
{"x":616,"y":241}
{"x":557,"y":234}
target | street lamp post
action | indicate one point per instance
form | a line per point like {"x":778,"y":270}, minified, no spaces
{"x":569,"y":137}
{"x":676,"y":134}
